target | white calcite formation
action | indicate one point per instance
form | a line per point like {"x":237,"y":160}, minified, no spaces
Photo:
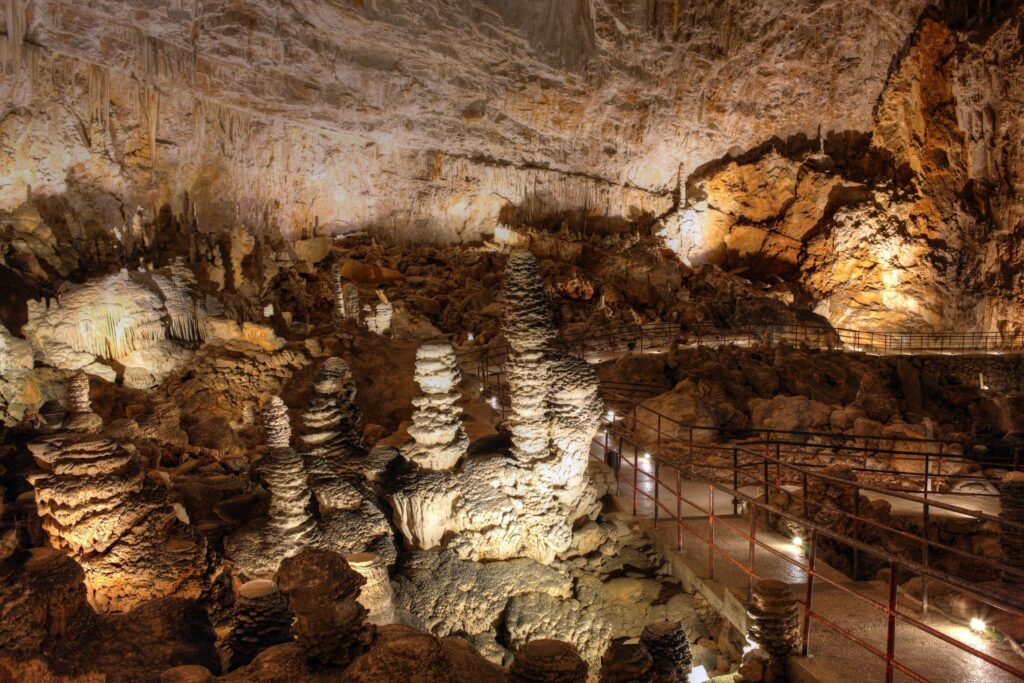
{"x":98,"y":506}
{"x":346,"y":297}
{"x":439,"y":441}
{"x":493,"y":507}
{"x":135,"y":318}
{"x":356,"y":524}
{"x":80,"y":417}
{"x":378,"y":320}
{"x":16,"y":363}
{"x":376,"y":595}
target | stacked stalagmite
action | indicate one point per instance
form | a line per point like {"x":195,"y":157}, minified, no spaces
{"x":260,"y":619}
{"x":669,"y":647}
{"x":548,"y":661}
{"x":98,"y":505}
{"x":774,"y":616}
{"x":630,"y":663}
{"x":439,"y":441}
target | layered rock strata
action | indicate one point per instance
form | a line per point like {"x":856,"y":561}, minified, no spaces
{"x":548,"y":661}
{"x":260,"y":619}
{"x":774,"y":624}
{"x":669,"y":647}
{"x":98,"y":505}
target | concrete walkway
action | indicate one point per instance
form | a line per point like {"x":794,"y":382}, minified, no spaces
{"x":830,"y":652}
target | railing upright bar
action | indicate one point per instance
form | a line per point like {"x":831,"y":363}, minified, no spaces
{"x":890,"y":632}
{"x":805,"y":633}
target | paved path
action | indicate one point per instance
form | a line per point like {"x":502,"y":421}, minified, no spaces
{"x":916,"y":649}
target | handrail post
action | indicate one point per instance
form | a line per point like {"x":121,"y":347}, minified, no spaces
{"x":679,"y":511}
{"x":805,"y":633}
{"x":657,"y":485}
{"x":890,"y":637}
{"x":636,"y":470}
{"x":735,"y":479}
{"x":856,"y":531}
{"x":711,"y":531}
{"x":750,"y":553}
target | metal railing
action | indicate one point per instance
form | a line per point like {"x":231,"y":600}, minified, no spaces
{"x":753,"y":470}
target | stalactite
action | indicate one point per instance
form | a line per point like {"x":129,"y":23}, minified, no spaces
{"x":99,"y":96}
{"x":16,"y":28}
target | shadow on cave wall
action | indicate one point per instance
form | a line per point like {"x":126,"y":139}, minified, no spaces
{"x":535,"y":211}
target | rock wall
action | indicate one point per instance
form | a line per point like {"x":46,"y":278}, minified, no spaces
{"x":422,"y":119}
{"x":910,"y":226}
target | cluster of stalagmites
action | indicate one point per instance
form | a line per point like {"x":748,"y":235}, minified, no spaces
{"x":774,"y":624}
{"x":97,"y":504}
{"x":491,"y":507}
{"x":318,"y":499}
{"x":1011,"y":538}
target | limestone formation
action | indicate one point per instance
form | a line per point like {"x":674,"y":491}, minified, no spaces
{"x":350,"y":301}
{"x":774,"y":624}
{"x":322,"y":592}
{"x":350,"y":520}
{"x":548,"y":661}
{"x":439,"y":441}
{"x":80,"y":417}
{"x":1011,"y":538}
{"x":669,"y":647}
{"x":376,"y":595}
{"x":16,"y":362}
{"x":277,"y":430}
{"x":260,"y":619}
{"x":627,"y":664}
{"x":98,"y":505}
{"x":529,"y":331}
{"x":135,"y":318}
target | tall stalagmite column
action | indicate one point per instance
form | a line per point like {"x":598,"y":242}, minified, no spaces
{"x":529,"y":330}
{"x":774,"y":624}
{"x":439,"y":441}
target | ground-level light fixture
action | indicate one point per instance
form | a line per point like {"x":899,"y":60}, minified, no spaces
{"x":978,"y":625}
{"x":610,"y":416}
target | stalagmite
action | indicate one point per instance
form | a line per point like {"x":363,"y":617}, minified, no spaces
{"x":376,"y":595}
{"x":548,"y":661}
{"x":277,"y":430}
{"x":669,"y":647}
{"x":80,"y":417}
{"x":529,"y":331}
{"x":439,"y":441}
{"x":1011,"y":538}
{"x":97,"y":504}
{"x":627,"y":664}
{"x":260,"y":619}
{"x":322,"y":591}
{"x":774,"y":616}
{"x":350,"y":301}
{"x":380,"y":320}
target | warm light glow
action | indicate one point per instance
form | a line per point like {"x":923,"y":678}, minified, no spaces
{"x":647,"y":456}
{"x":798,"y":541}
{"x":978,"y":625}
{"x":494,"y":402}
{"x":505,"y":235}
{"x":611,"y":416}
{"x":469,"y":336}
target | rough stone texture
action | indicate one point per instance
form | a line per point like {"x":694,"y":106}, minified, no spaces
{"x":97,"y":504}
{"x":548,"y":661}
{"x":322,"y":592}
{"x":260,"y":619}
{"x":774,"y":614}
{"x":1011,"y":538}
{"x":539,"y":615}
{"x":669,"y":647}
{"x":376,"y":595}
{"x":80,"y":416}
{"x":439,"y":439}
{"x":627,"y":663}
{"x":424,"y":588}
{"x":277,"y":430}
{"x":15,"y":363}
{"x":46,"y":610}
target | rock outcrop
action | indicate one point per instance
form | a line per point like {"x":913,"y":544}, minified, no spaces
{"x":98,"y":505}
